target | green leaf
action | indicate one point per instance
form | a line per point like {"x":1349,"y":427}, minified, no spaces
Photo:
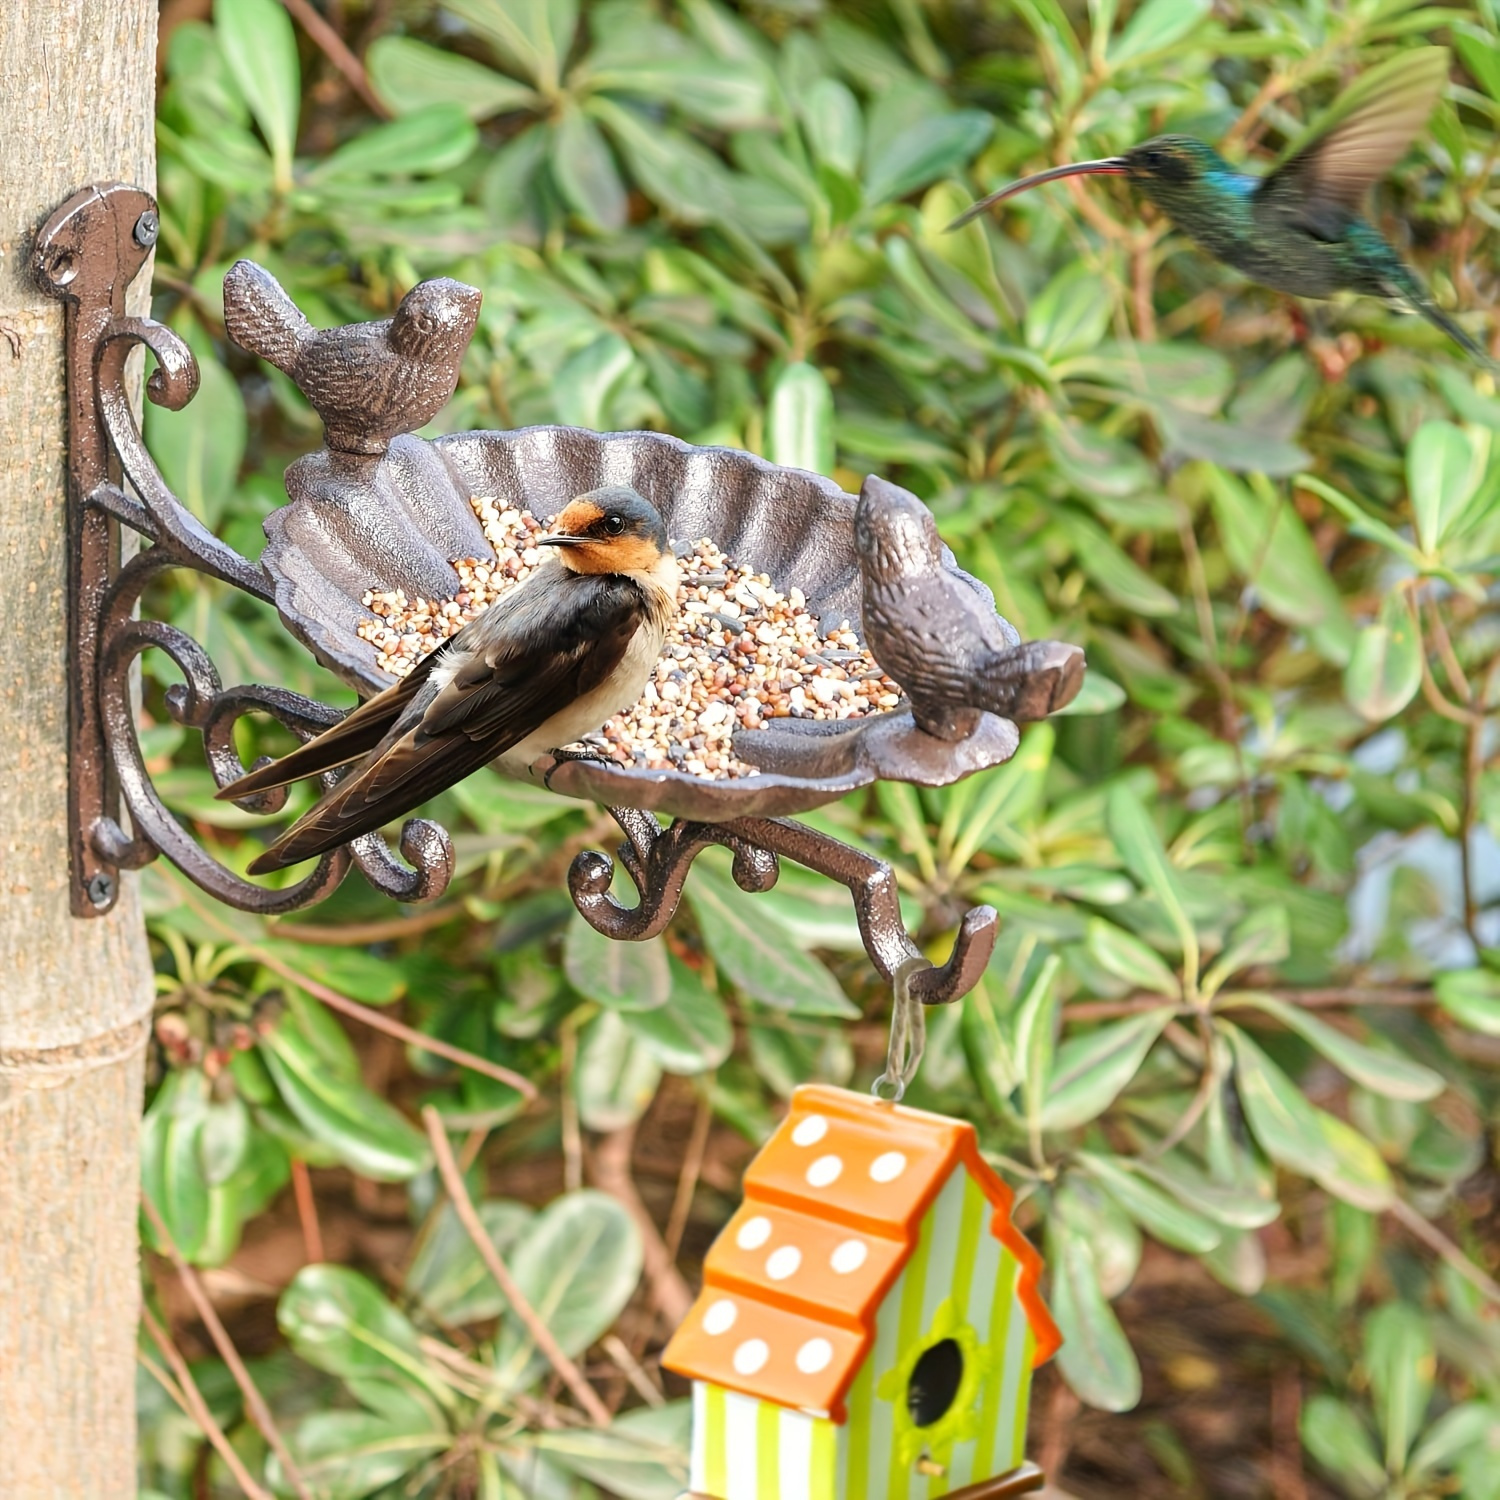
{"x":1034,"y":1037}
{"x":1098,"y":695}
{"x":1233,"y":1206}
{"x":1070,"y":315}
{"x":1472,"y":998}
{"x":1282,"y":1121}
{"x":1338,"y":1439}
{"x":1381,"y":1072}
{"x":173,"y":1174}
{"x":799,"y":424}
{"x":339,"y":1321}
{"x":1385,"y":667}
{"x":622,"y":976}
{"x":1401,"y":1362}
{"x":351,"y":971}
{"x":833,"y":123}
{"x":686,"y":179}
{"x":534,"y":36}
{"x":1357,"y":1173}
{"x":1140,"y":846}
{"x":1128,"y":584}
{"x":1480,"y":55}
{"x":1158,"y":1213}
{"x":448,"y":1277}
{"x":934,"y":147}
{"x":367,"y":1134}
{"x":1096,"y":1358}
{"x":1090,"y":1071}
{"x":1111,"y":1234}
{"x":1270,"y":548}
{"x":588,"y":383}
{"x":724,"y":95}
{"x":1264,"y":937}
{"x":577,"y":1265}
{"x":692,"y":1032}
{"x":349,"y":1455}
{"x":1155,"y":27}
{"x":757,"y":954}
{"x":199,"y":449}
{"x":1473,"y":1427}
{"x":433,"y":139}
{"x":1008,"y":796}
{"x":617,"y":1077}
{"x":1441,"y":475}
{"x":1126,"y":957}
{"x":225,"y":1138}
{"x":261,"y":50}
{"x":409,"y":76}
{"x":642,"y":1455}
{"x":584,"y":170}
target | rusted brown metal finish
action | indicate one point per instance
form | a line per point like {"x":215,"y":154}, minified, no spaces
{"x":87,"y":254}
{"x":378,"y":508}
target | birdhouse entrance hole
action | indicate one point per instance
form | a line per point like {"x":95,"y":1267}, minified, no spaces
{"x":934,"y":1382}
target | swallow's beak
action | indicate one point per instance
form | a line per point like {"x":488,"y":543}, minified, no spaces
{"x":1108,"y":166}
{"x":561,"y":539}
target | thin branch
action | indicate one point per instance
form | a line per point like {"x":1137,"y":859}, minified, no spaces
{"x":336,"y":50}
{"x":397,"y":1029}
{"x":692,"y":1169}
{"x":632,"y":1369}
{"x":569,"y":1373}
{"x":1337,"y":998}
{"x":197,"y":1408}
{"x":358,"y":934}
{"x":1437,"y":1241}
{"x":255,"y":1403}
{"x":669,"y":1291}
{"x":307,"y":1212}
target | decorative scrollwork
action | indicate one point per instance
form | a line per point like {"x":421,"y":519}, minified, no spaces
{"x":87,"y":254}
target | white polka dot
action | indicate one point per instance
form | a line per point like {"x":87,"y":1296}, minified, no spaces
{"x":753,"y":1233}
{"x":889,"y":1167}
{"x":750,"y":1358}
{"x":825,"y":1171}
{"x":814,"y":1356}
{"x":783,"y":1262}
{"x":720,"y":1317}
{"x":849,"y":1256}
{"x":810,"y":1131}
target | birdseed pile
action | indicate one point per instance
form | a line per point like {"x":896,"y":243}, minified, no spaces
{"x":738,"y":654}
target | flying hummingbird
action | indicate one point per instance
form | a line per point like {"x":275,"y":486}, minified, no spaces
{"x":1300,"y":228}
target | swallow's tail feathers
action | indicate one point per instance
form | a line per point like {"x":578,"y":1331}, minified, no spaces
{"x":1031,"y":681}
{"x":353,"y":736}
{"x":408,"y":772}
{"x":261,"y":317}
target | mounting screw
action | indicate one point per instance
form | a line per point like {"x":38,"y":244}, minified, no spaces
{"x":101,"y":889}
{"x":147,"y":227}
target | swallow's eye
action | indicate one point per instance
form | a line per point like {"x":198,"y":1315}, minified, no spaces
{"x":614,"y":524}
{"x":1155,"y":160}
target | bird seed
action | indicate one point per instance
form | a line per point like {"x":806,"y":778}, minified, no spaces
{"x":738,"y":654}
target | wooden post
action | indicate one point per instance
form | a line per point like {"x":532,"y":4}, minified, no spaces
{"x":75,"y":996}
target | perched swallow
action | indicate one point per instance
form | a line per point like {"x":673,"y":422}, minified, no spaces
{"x":367,"y":381}
{"x":1301,"y":228}
{"x":938,"y":635}
{"x":549,"y":662}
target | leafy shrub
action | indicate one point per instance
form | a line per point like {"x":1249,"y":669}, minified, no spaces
{"x":1247,"y":971}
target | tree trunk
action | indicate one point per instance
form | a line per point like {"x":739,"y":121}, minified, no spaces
{"x":74,"y":995}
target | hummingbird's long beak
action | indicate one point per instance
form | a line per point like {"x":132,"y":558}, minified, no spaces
{"x":1108,"y":166}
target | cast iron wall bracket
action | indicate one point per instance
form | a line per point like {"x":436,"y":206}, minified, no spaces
{"x":87,"y":255}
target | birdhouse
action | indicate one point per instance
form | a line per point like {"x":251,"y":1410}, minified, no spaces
{"x":870,"y":1317}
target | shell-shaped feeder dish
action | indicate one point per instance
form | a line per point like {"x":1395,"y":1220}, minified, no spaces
{"x":398,"y":523}
{"x":378,"y":511}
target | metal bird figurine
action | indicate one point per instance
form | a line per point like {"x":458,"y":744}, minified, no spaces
{"x":550,"y":661}
{"x":1301,"y":227}
{"x":367,"y":381}
{"x":936,"y":632}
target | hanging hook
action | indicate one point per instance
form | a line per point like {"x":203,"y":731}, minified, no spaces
{"x":908,"y":1033}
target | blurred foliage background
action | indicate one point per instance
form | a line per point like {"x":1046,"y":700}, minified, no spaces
{"x":1236,"y":1049}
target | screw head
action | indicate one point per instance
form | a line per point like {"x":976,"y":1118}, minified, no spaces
{"x":147,"y":227}
{"x":101,"y":889}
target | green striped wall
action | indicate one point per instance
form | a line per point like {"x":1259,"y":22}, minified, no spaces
{"x":745,"y":1449}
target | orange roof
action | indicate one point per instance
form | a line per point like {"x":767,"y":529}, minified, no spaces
{"x":833,"y":1206}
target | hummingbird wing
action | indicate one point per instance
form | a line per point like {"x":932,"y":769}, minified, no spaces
{"x":548,"y":650}
{"x":1320,"y":181}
